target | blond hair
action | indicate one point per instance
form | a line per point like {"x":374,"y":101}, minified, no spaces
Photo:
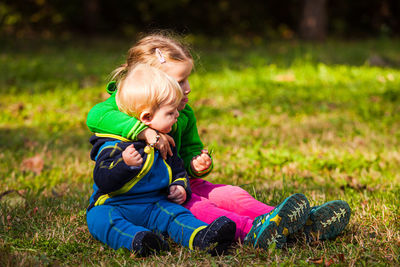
{"x":145,"y":52}
{"x":146,"y":88}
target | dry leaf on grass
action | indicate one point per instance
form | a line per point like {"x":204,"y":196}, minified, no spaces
{"x":329,"y":262}
{"x":35,"y":210}
{"x":289,"y":77}
{"x":336,"y":259}
{"x":17,"y":107}
{"x":316,"y":260}
{"x":34,"y":164}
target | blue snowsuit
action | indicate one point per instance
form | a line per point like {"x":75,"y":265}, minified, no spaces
{"x":128,"y":199}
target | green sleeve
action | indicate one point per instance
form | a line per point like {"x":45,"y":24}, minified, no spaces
{"x":191,"y":144}
{"x":105,"y":117}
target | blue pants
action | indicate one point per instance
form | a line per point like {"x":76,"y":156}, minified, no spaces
{"x":117,"y":225}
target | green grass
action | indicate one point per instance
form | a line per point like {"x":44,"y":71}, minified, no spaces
{"x":281,"y":117}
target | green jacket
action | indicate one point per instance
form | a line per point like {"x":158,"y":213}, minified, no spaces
{"x":106,"y":118}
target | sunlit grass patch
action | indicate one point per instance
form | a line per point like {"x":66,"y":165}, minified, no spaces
{"x":280,"y":118}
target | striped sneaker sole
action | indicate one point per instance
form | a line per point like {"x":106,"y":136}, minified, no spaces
{"x":328,"y":220}
{"x":287,"y":218}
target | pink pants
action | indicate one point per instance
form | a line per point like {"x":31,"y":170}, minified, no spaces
{"x":210,"y":201}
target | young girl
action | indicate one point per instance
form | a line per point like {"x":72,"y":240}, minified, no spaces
{"x":209,"y":201}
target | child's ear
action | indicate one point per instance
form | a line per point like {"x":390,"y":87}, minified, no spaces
{"x":146,"y":117}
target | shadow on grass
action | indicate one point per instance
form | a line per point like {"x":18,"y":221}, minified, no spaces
{"x":40,"y":65}
{"x":29,"y":138}
{"x":217,"y":55}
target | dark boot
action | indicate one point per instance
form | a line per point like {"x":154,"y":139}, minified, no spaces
{"x":145,"y":243}
{"x":216,"y":237}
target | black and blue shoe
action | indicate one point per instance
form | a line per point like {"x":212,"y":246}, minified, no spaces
{"x":146,"y":243}
{"x":327,"y":221}
{"x":274,"y":227}
{"x":217,"y":237}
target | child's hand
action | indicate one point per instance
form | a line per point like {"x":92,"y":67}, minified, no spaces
{"x":131,"y":157}
{"x":201,"y":162}
{"x":177,"y":194}
{"x":164,"y":143}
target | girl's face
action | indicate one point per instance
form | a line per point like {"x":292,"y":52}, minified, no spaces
{"x":180,"y":71}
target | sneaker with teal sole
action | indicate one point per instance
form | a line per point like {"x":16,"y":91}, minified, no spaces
{"x":274,"y":227}
{"x":327,"y":221}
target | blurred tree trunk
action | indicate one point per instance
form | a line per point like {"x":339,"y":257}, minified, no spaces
{"x":313,"y":21}
{"x":92,"y":17}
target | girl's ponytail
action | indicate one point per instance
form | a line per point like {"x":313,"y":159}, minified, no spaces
{"x":119,"y":73}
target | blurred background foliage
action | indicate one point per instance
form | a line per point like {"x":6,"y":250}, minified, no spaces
{"x":309,"y":19}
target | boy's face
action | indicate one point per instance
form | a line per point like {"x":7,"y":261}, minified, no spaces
{"x":163,"y":119}
{"x":180,"y":71}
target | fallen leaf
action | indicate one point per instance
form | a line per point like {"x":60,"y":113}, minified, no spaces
{"x":34,"y":164}
{"x":335,"y":259}
{"x":289,"y":77}
{"x":35,"y":210}
{"x":21,"y":192}
{"x":72,"y":218}
{"x":81,"y":229}
{"x":35,"y":238}
{"x":329,"y":262}
{"x":316,"y":260}
{"x":17,"y":108}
